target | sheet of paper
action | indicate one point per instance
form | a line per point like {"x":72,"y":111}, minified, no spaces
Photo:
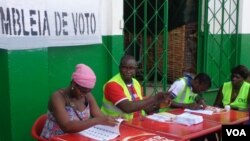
{"x":188,"y":119}
{"x":207,"y":112}
{"x":102,"y":132}
{"x":215,"y":109}
{"x":162,"y":117}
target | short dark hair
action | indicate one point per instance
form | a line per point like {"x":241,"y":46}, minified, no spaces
{"x":241,"y":70}
{"x":203,"y":79}
{"x":124,"y":58}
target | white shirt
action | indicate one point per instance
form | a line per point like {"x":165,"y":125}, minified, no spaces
{"x":177,"y":87}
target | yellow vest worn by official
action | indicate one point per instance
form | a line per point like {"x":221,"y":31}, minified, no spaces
{"x":186,"y":96}
{"x":108,"y":108}
{"x":241,"y":100}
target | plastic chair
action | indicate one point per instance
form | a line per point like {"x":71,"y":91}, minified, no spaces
{"x":38,"y":127}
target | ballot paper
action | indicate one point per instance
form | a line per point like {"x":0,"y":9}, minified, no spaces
{"x":188,"y":119}
{"x":209,"y":110}
{"x":162,"y":117}
{"x":102,"y":132}
{"x":201,"y":111}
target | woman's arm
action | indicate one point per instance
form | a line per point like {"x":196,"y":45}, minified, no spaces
{"x":218,"y":100}
{"x":57,"y":107}
{"x":94,"y":108}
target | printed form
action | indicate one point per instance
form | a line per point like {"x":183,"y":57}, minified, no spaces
{"x":102,"y":132}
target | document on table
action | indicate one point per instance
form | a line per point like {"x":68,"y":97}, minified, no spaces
{"x":207,"y":112}
{"x":102,"y":132}
{"x":162,"y":117}
{"x":188,"y":119}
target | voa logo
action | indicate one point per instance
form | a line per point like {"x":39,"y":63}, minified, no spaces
{"x":236,"y":132}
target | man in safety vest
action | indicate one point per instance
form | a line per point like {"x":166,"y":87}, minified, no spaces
{"x":123,"y":93}
{"x":188,"y":91}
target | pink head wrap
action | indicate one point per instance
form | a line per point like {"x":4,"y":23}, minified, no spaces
{"x":84,"y":76}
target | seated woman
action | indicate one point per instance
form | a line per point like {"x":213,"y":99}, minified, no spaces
{"x":235,"y":92}
{"x":74,"y":108}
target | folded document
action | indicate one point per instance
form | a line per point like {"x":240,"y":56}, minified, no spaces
{"x":188,"y":119}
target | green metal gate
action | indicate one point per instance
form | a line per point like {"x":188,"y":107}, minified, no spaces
{"x":218,"y":51}
{"x":161,"y":51}
{"x":145,"y":37}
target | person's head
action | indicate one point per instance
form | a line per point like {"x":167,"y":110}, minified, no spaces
{"x":201,"y":83}
{"x":127,"y":68}
{"x":83,"y":80}
{"x":239,"y":74}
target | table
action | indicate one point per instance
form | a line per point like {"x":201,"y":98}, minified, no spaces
{"x":175,"y":130}
{"x":127,"y":134}
{"x":231,"y":117}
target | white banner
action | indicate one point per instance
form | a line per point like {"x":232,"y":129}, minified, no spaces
{"x":27,"y":24}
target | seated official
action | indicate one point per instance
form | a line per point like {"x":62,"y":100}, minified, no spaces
{"x":235,"y":92}
{"x":188,"y":91}
{"x":123,"y":94}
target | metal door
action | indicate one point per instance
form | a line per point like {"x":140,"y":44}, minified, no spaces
{"x":217,"y":45}
{"x":145,"y":37}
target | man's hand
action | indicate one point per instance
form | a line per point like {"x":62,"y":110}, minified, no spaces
{"x":195,"y":106}
{"x":164,"y":97}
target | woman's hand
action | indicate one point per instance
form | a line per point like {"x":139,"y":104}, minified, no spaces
{"x":107,"y":120}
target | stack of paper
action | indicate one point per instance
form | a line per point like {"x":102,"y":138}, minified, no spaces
{"x":162,"y":117}
{"x":102,"y":132}
{"x":188,"y":119}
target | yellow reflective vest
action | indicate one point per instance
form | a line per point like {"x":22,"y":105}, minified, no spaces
{"x":186,"y":95}
{"x":109,"y":108}
{"x":241,"y":100}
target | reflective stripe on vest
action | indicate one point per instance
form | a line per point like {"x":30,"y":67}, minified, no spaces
{"x":241,"y":100}
{"x":109,"y":108}
{"x":185,"y":96}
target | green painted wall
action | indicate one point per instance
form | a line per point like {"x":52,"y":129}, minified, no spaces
{"x":28,"y":91}
{"x":29,"y":77}
{"x":5,"y":122}
{"x":245,"y":49}
{"x":210,"y":96}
